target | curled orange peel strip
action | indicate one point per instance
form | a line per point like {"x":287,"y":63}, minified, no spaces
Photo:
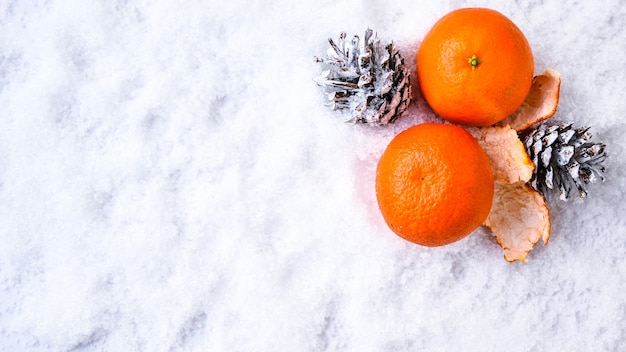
{"x":519,"y":218}
{"x":506,"y":153}
{"x":540,"y":103}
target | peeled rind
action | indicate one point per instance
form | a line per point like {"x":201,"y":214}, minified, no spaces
{"x":506,"y":153}
{"x":519,"y":218}
{"x":540,"y":103}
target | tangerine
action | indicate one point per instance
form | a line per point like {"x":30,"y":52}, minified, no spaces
{"x":475,"y":67}
{"x":434,"y":184}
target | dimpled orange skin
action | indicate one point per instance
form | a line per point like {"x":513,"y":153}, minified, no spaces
{"x":480,"y":92}
{"x":434,"y":184}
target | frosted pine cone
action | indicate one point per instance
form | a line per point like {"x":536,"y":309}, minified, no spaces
{"x":365,"y":78}
{"x":564,"y":158}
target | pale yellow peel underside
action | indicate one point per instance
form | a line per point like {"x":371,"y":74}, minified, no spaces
{"x":519,"y":218}
{"x":507,"y":155}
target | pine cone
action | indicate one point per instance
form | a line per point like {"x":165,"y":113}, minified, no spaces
{"x":564,"y":158}
{"x":366,"y":78}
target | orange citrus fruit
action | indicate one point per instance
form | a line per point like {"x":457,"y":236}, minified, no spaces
{"x":434,"y":184}
{"x":475,"y":67}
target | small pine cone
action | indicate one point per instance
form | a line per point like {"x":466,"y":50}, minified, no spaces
{"x":564,"y":158}
{"x":365,"y":78}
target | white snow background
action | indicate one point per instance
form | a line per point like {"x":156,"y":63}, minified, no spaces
{"x":170,"y":180}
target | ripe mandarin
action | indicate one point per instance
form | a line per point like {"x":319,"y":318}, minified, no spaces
{"x":475,"y":67}
{"x":434,"y":184}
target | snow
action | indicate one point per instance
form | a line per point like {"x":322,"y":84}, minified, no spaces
{"x":171,"y":181}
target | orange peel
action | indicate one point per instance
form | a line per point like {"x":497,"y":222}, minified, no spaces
{"x":519,"y":218}
{"x":506,"y":153}
{"x":540,"y":103}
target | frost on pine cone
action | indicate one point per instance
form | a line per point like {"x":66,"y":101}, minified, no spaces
{"x":366,"y":78}
{"x":564,"y":158}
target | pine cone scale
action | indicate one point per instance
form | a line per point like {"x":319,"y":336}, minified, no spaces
{"x":564,"y":155}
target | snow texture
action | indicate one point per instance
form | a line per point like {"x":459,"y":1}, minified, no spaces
{"x":171,"y":181}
